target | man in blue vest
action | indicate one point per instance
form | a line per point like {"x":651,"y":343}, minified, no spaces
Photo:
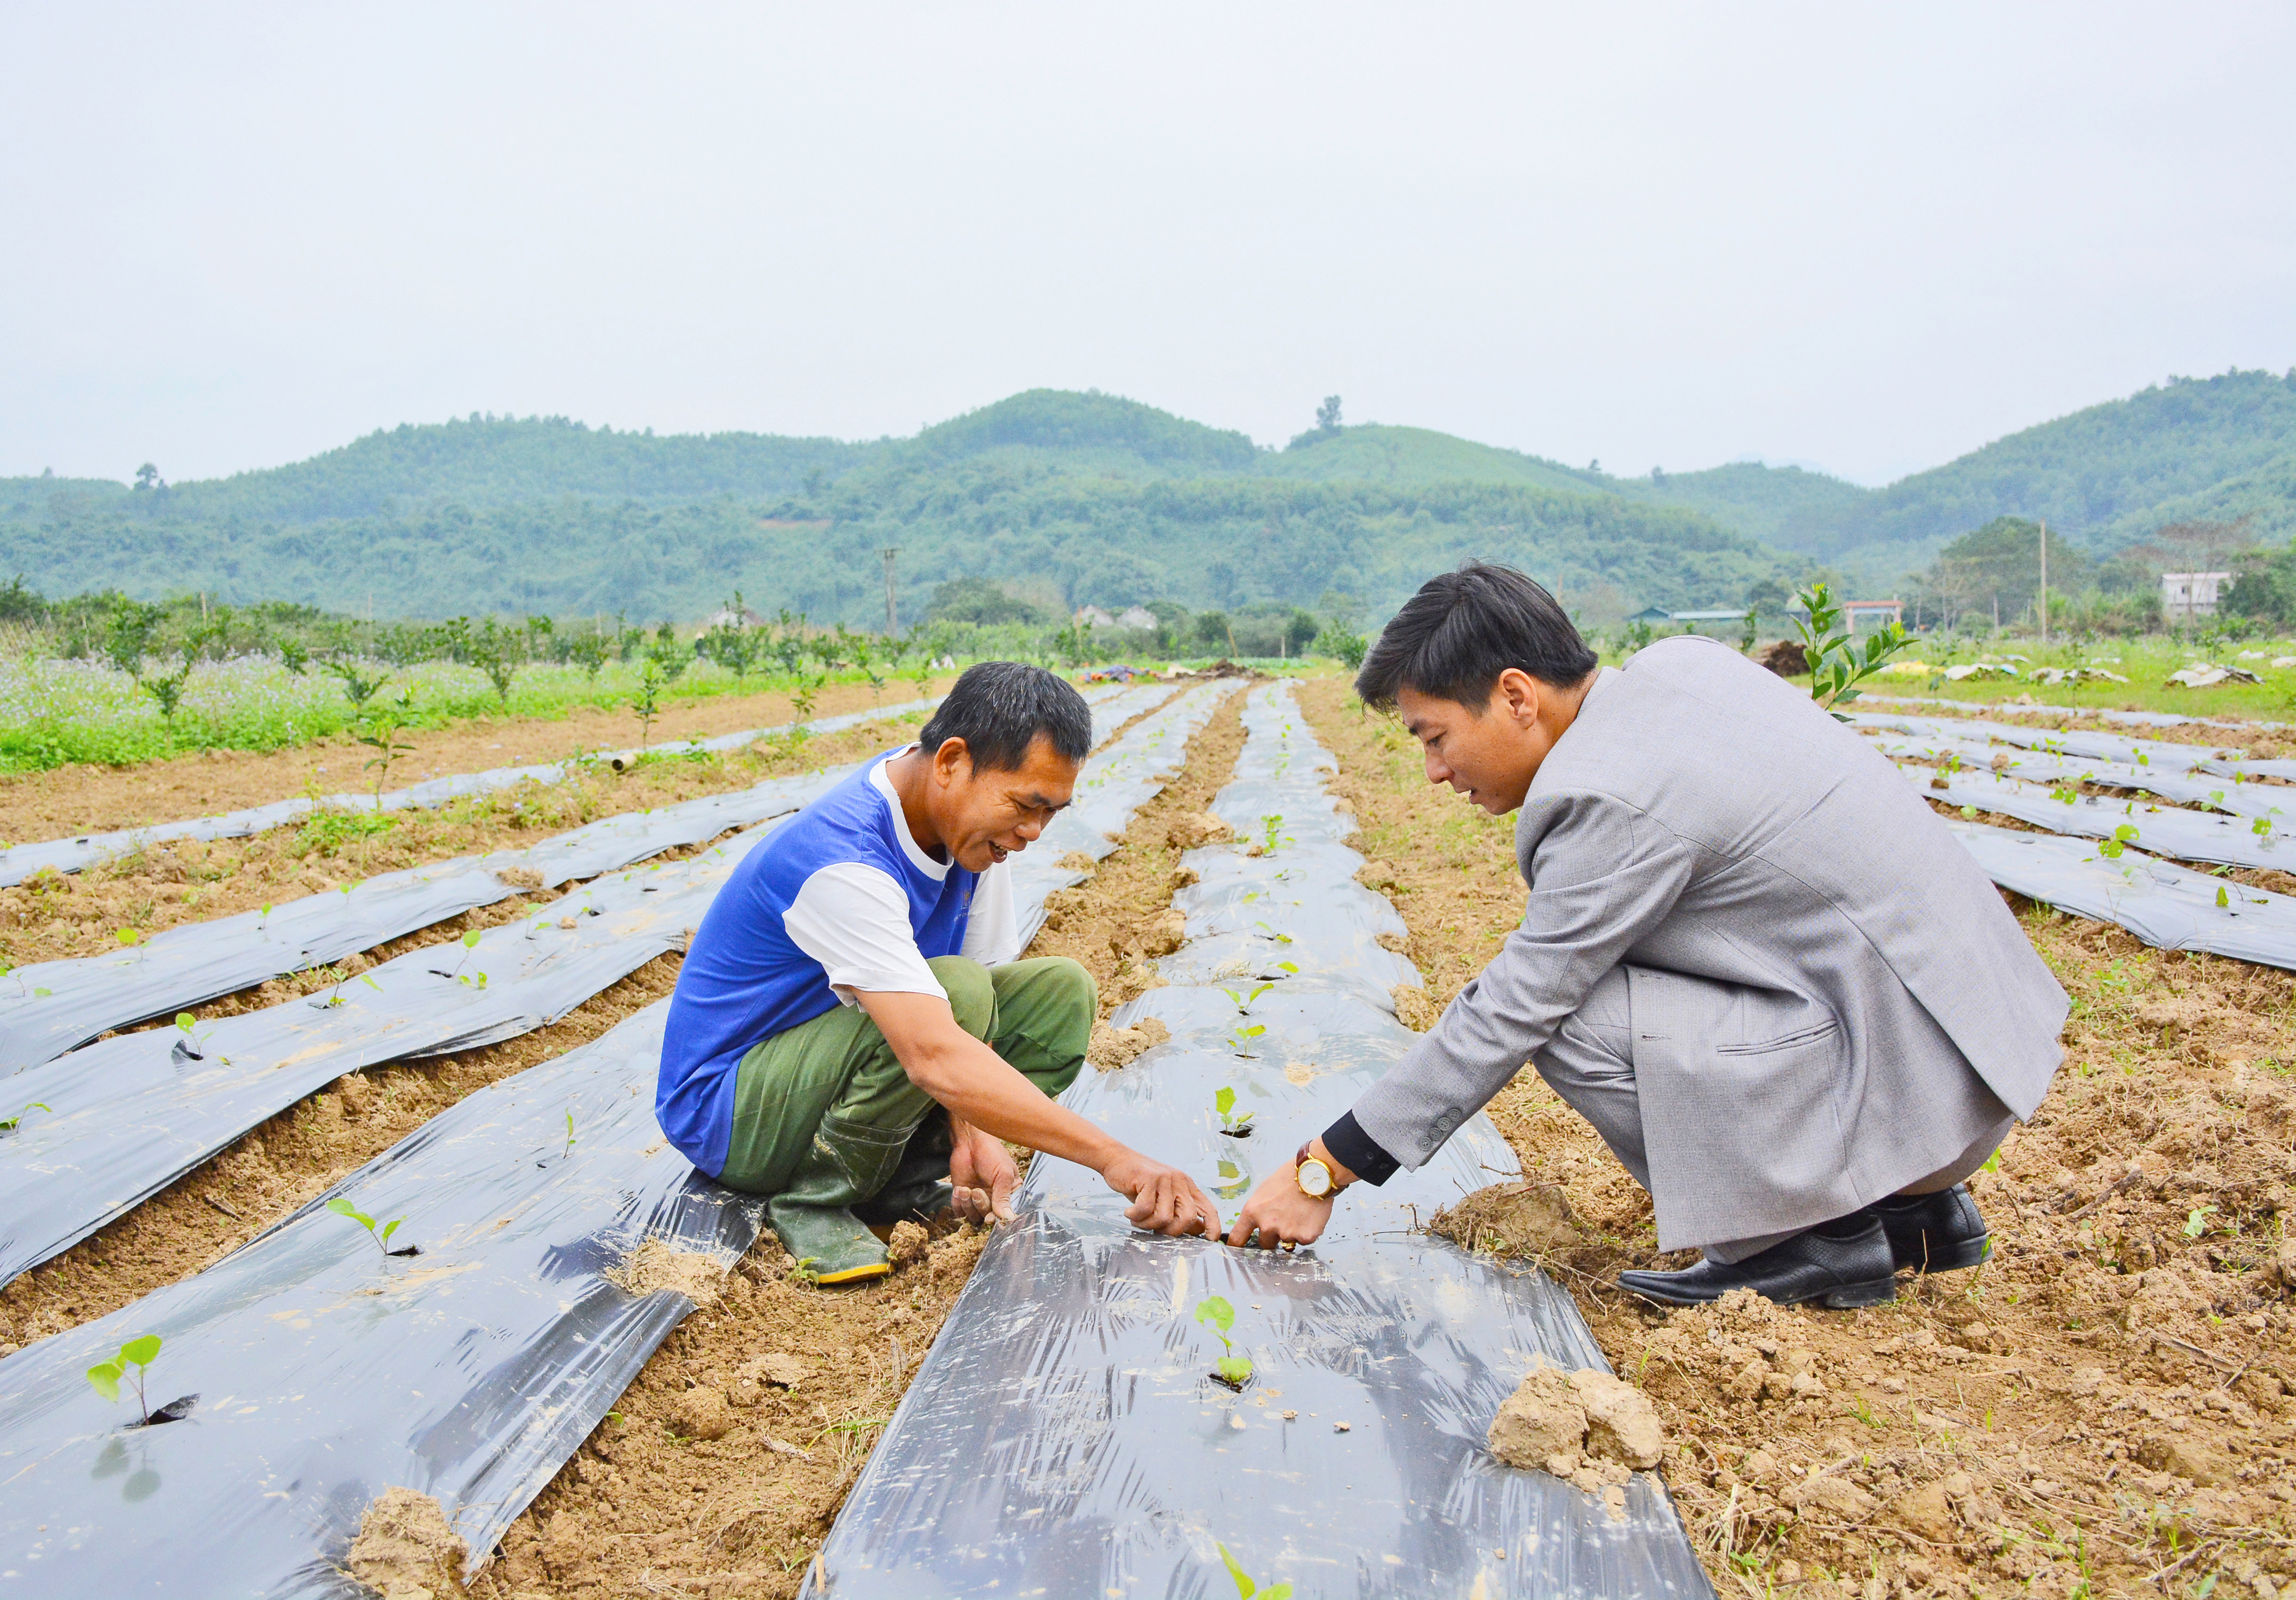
{"x":853,"y":1034}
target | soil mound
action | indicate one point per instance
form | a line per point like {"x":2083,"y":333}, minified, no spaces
{"x":404,"y":1550}
{"x":655,"y":1265}
{"x":1784,"y":658}
{"x":1511,"y":1218}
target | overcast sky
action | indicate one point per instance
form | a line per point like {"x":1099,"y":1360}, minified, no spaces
{"x":1865,"y":238}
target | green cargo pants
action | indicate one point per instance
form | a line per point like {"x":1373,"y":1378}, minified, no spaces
{"x":834,"y":1080}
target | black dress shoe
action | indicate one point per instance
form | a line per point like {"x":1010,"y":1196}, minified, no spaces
{"x":1934,"y":1233}
{"x":1841,"y":1264}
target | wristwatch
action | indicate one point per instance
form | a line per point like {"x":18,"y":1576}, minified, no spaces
{"x":1314,"y":1175}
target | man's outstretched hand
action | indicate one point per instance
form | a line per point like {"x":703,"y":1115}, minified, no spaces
{"x":1164,"y":1199}
{"x":1281,"y":1215}
{"x":982,"y":1175}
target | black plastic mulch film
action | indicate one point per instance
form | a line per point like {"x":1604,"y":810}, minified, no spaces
{"x":328,"y":1372}
{"x":1064,"y":1436}
{"x":2166,"y":905}
{"x":19,"y":861}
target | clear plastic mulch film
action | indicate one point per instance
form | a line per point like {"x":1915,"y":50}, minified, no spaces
{"x":2129,"y":719}
{"x":328,"y":1370}
{"x":2192,"y":836}
{"x":2165,"y":905}
{"x":19,"y":861}
{"x":52,"y":1007}
{"x":1066,"y":1435}
{"x":1900,"y":738}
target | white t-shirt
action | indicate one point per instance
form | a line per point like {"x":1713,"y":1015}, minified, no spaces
{"x":854,"y":918}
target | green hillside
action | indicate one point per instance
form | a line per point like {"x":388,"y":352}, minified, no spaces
{"x":2107,"y":476}
{"x":1782,"y":506}
{"x":1377,"y":453}
{"x":1105,"y":499}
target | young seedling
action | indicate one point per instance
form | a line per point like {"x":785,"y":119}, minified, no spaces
{"x":1216,"y":1314}
{"x":802,"y":697}
{"x":191,"y":1046}
{"x":1271,"y":834}
{"x":10,"y":972}
{"x":104,"y":1377}
{"x":335,"y":995}
{"x":1244,"y":1001}
{"x":570,"y":1141}
{"x":1245,"y":1588}
{"x":1232,"y":1125}
{"x":469,"y":942}
{"x":356,"y":685}
{"x":380,"y":1233}
{"x":645,"y":700}
{"x":2122,"y":837}
{"x":381,"y":736}
{"x":9,"y":1125}
{"x":1243,"y":1036}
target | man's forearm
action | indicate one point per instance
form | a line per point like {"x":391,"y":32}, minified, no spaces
{"x":981,"y":1088}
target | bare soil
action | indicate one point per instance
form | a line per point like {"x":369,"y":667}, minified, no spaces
{"x":713,"y":1477}
{"x":83,"y":798}
{"x":52,"y":916}
{"x":2104,"y":1407}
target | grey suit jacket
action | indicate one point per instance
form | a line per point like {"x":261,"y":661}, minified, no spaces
{"x":1830,"y":1001}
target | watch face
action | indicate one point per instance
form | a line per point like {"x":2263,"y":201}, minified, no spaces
{"x":1315,"y":1178}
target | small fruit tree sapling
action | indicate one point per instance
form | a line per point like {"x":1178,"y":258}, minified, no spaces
{"x":1836,"y":664}
{"x":1245,"y":1588}
{"x":1216,"y":1314}
{"x":1231,"y":1124}
{"x":379,"y":1235}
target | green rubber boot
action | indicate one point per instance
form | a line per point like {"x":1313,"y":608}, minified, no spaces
{"x":847,"y":1163}
{"x":919,"y":1189}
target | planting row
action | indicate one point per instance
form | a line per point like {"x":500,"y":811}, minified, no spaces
{"x":456,"y":1317}
{"x":1111,"y":1413}
{"x":20,"y":861}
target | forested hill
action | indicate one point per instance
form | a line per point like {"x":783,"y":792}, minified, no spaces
{"x":1080,"y":498}
{"x":2107,"y":477}
{"x":1089,"y":498}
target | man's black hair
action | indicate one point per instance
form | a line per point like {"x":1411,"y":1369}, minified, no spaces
{"x":998,"y":707}
{"x":1453,"y":638}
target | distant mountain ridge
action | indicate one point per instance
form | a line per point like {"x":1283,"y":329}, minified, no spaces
{"x":1110,"y":499}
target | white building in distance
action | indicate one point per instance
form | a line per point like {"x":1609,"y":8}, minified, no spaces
{"x":2190,"y":593}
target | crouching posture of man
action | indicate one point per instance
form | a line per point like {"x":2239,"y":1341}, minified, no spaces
{"x":852,"y":1034}
{"x":1751,"y":957}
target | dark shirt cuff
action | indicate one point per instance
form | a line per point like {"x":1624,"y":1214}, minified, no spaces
{"x":1358,"y":1152}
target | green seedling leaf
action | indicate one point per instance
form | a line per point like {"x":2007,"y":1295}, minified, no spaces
{"x":1254,"y":1031}
{"x":2223,"y":899}
{"x":344,"y":1208}
{"x":470,"y":940}
{"x":1290,"y":966}
{"x":1224,"y":1102}
{"x":9,"y":1125}
{"x":2196,"y":1223}
{"x":1214,"y":1312}
{"x":1235,"y":1370}
{"x":129,"y":936}
{"x":105,"y":1376}
{"x":389,"y":1228}
{"x":141,"y":1352}
{"x":186,"y":1021}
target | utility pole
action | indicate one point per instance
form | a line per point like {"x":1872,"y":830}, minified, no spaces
{"x":893,"y":617}
{"x":2045,"y":580}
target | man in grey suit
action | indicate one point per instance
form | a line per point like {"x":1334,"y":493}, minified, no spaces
{"x":1751,"y":957}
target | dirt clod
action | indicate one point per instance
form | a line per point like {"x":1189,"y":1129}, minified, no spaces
{"x":909,"y":1244}
{"x":702,"y":1414}
{"x":1514,"y":1217}
{"x":656,"y":1264}
{"x":1112,"y":1048}
{"x":1543,"y":1418}
{"x":1621,"y":1423}
{"x":404,"y":1550}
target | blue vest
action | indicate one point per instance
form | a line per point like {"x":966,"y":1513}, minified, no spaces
{"x":744,"y":980}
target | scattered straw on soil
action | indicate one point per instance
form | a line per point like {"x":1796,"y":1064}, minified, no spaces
{"x":2105,"y":1407}
{"x":78,"y":799}
{"x":657,"y":1264}
{"x":405,"y":1550}
{"x":54,"y":915}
